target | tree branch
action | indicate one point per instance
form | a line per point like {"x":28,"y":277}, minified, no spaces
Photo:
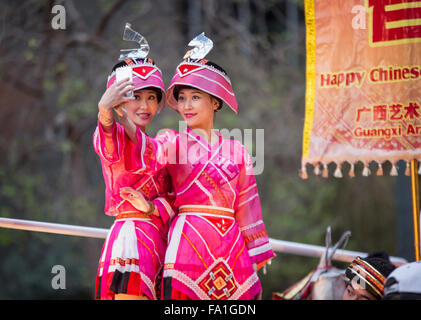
{"x":107,"y":17}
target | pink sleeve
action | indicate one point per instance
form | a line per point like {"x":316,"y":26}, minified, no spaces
{"x":107,"y":144}
{"x":249,"y":214}
{"x":165,"y":206}
{"x":152,"y":154}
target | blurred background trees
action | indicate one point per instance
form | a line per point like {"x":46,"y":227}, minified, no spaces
{"x":51,"y":81}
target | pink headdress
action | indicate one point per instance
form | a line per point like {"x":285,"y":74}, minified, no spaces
{"x":202,"y":74}
{"x":144,"y":72}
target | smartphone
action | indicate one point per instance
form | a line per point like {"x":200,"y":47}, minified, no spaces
{"x":123,"y":73}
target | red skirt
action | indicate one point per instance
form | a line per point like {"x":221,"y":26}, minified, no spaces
{"x":131,"y":260}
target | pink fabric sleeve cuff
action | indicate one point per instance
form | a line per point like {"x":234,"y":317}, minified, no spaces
{"x":164,"y":208}
{"x":261,"y":253}
{"x":106,"y":143}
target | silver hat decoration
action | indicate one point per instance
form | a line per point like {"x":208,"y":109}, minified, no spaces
{"x":202,"y":45}
{"x":132,"y":35}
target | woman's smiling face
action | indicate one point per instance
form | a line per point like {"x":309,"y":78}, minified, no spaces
{"x":197,"y":108}
{"x":142,"y":110}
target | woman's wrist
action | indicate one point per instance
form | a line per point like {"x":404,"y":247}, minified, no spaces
{"x":151,"y":208}
{"x":106,"y":117}
{"x":104,"y":108}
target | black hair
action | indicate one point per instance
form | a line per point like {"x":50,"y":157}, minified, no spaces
{"x":217,"y":67}
{"x":178,"y":88}
{"x":381,"y":262}
{"x":157,"y":91}
{"x":385,"y":267}
{"x":378,"y":254}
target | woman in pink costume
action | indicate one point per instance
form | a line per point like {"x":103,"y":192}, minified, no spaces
{"x":132,"y":257}
{"x":217,"y":240}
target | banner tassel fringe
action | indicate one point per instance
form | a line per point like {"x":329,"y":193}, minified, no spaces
{"x":338,"y":172}
{"x":316,"y":169}
{"x":320,"y":168}
{"x":407,"y":170}
{"x":394,"y":170}
{"x":325,"y":173}
{"x":303,"y":173}
{"x":366,"y":170}
{"x":351,"y":171}
{"x":379,"y":169}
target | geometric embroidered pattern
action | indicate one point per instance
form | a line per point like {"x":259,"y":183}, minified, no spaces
{"x":221,"y":224}
{"x":121,"y":262}
{"x":219,"y":283}
{"x":255,"y":236}
{"x":187,"y":69}
{"x":143,"y":72}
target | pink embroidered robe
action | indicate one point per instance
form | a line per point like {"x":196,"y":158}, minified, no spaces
{"x":209,"y":255}
{"x":132,"y":257}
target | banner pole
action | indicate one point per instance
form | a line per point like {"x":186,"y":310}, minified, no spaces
{"x":415,"y":207}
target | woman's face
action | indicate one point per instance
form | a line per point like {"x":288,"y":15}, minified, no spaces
{"x":141,"y":111}
{"x":354,"y":291}
{"x":197,"y":108}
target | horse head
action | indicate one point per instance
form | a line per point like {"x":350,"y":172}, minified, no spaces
{"x":328,"y":281}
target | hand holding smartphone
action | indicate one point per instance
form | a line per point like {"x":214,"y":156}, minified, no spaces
{"x":123,"y":73}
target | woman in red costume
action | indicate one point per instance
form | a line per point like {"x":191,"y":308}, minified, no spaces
{"x":132,"y":257}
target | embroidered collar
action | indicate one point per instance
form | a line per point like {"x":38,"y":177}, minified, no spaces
{"x":203,"y":141}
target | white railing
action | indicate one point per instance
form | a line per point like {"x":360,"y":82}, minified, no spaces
{"x":280,"y":246}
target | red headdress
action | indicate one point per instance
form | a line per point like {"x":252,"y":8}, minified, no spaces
{"x":202,"y":74}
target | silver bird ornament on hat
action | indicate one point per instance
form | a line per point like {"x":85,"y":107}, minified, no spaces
{"x":202,"y":45}
{"x":132,"y":35}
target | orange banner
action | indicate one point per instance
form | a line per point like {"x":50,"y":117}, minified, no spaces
{"x":363,"y":95}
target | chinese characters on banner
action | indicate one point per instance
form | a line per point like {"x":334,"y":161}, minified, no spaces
{"x":363,"y":96}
